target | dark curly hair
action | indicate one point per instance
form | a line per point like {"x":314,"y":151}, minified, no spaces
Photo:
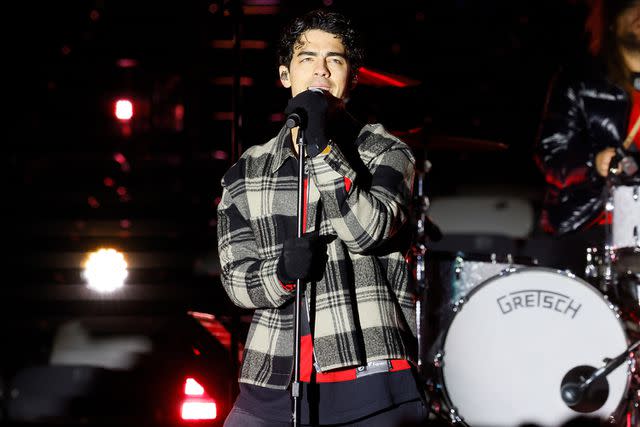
{"x":330,"y":22}
{"x":601,"y":25}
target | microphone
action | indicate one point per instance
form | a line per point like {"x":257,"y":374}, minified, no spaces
{"x":299,"y":117}
{"x":585,"y":388}
{"x":295,"y":119}
{"x":424,"y":223}
{"x":627,"y":163}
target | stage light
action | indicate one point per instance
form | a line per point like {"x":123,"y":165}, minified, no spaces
{"x":123,"y":109}
{"x":105,"y":270}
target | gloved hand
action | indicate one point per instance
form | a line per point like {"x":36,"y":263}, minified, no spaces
{"x":313,"y":106}
{"x":302,"y":258}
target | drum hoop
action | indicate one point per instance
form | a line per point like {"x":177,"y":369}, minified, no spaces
{"x":516,"y":270}
{"x":509,"y":271}
{"x":627,"y":250}
{"x":483,"y":257}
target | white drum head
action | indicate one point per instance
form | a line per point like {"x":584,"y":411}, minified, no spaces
{"x":626,"y":216}
{"x":516,"y":337}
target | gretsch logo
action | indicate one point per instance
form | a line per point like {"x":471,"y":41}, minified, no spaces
{"x":538,"y":298}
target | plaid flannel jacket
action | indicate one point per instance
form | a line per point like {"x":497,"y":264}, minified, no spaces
{"x":362,"y":309}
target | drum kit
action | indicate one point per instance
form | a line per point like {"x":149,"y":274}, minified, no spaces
{"x":505,"y":341}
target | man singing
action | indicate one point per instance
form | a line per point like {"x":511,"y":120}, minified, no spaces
{"x":358,"y":337}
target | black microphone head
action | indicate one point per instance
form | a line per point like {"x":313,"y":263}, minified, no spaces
{"x":571,"y":393}
{"x":294,"y":120}
{"x":629,"y":166}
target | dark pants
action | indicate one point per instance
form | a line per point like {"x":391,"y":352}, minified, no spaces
{"x":409,"y":414}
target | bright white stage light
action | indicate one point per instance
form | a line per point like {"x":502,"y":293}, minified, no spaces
{"x":105,"y":270}
{"x":124,"y":109}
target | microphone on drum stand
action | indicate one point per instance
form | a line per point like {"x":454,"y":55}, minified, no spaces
{"x":425,"y":226}
{"x":585,"y":388}
{"x":627,"y":163}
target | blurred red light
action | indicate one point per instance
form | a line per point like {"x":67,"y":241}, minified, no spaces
{"x":198,"y":410}
{"x":126,"y":62}
{"x":93,"y":202}
{"x":193,"y":388}
{"x":197,"y":405}
{"x":119,"y":157}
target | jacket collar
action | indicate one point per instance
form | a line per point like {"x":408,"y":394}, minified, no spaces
{"x":282,"y":149}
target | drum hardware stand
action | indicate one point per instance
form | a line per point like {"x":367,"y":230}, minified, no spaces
{"x":607,"y":279}
{"x":450,"y":412}
{"x":419,"y":251}
{"x":424,"y":230}
{"x":591,"y":269}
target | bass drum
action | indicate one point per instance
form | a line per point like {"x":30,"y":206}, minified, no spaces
{"x":513,"y":340}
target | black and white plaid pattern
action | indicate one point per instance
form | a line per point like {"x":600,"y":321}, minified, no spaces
{"x":362,"y":309}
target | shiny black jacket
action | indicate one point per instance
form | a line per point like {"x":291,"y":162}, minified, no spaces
{"x":584,"y":113}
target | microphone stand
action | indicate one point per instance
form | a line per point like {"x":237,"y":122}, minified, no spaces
{"x":418,"y":250}
{"x":295,"y":386}
{"x":608,"y":279}
{"x":424,"y":230}
{"x":572,"y":393}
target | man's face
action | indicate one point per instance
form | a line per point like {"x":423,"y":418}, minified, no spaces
{"x":318,"y":61}
{"x":628,"y":27}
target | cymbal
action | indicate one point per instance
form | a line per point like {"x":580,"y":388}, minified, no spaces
{"x":416,"y":138}
{"x":377,"y":78}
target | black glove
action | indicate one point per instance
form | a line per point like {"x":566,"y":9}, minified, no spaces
{"x":313,"y":107}
{"x":302,"y":258}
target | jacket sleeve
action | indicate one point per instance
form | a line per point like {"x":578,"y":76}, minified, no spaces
{"x":250,"y":282}
{"x":563,"y":152}
{"x":365,"y":216}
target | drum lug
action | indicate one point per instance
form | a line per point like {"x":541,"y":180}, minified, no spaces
{"x":591,"y":269}
{"x":457,"y":306}
{"x":458,"y":267}
{"x":454,"y":418}
{"x":613,"y":307}
{"x":437,"y":359}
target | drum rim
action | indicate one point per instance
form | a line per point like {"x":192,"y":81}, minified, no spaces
{"x":502,"y":258}
{"x":516,"y":269}
{"x":509,"y":271}
{"x":634,"y":250}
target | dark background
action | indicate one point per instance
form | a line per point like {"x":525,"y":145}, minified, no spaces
{"x":79,"y":179}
